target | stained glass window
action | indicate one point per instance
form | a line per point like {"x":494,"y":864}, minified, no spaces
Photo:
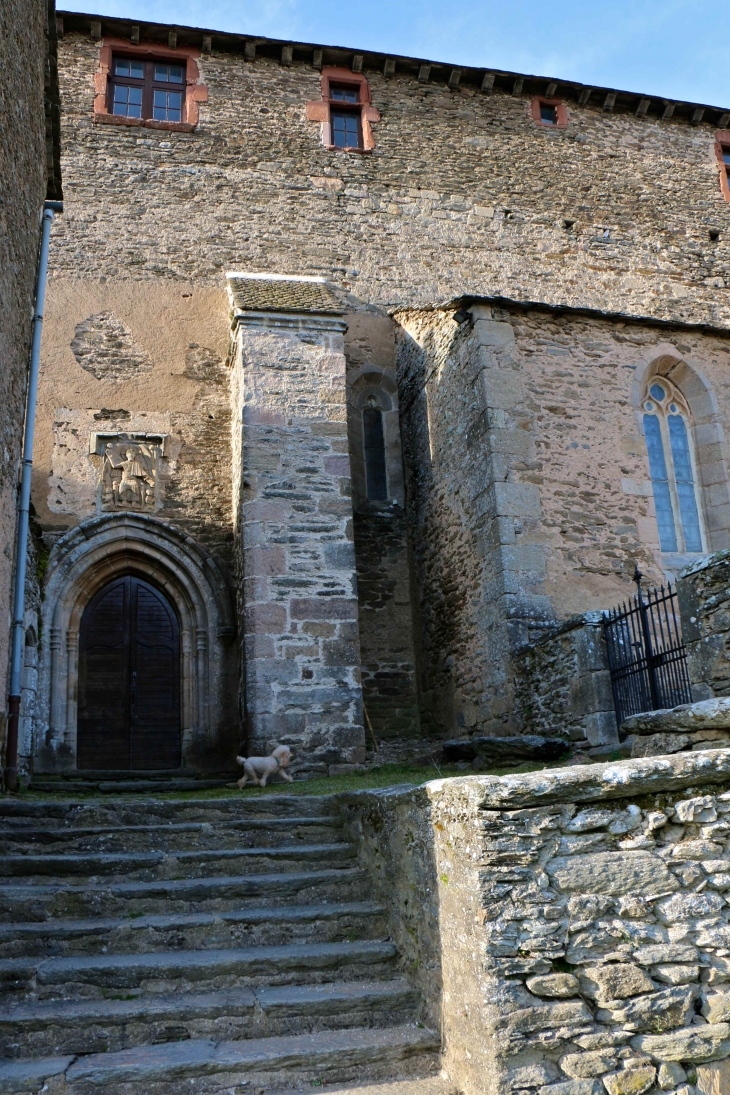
{"x":673,"y":477}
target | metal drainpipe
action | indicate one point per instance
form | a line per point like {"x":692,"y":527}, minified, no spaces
{"x":21,"y":552}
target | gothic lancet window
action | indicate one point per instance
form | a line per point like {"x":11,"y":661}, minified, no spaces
{"x":669,"y":442}
{"x":376,"y":479}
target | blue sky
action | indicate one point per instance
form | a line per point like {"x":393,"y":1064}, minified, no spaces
{"x":673,"y":48}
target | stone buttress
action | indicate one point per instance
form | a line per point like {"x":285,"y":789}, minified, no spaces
{"x":294,"y":521}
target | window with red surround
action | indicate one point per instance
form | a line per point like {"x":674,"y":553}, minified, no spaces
{"x":345,"y":111}
{"x":148,"y":85}
{"x":549,"y":112}
{"x":722,"y":151}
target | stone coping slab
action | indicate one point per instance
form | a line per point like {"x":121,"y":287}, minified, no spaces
{"x":578,"y":783}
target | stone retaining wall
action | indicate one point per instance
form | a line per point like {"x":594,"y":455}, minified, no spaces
{"x":570,"y":927}
{"x":703,"y":592}
{"x":562,"y":681}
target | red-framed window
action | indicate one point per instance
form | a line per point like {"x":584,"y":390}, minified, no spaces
{"x":345,"y":111}
{"x":148,"y":85}
{"x":147,"y":89}
{"x":722,"y":151}
{"x":345,"y":116}
{"x":549,"y":112}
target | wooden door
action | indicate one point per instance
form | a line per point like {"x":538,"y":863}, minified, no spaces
{"x":129,"y":679}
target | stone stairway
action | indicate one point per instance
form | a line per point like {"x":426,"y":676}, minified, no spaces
{"x":154,"y":947}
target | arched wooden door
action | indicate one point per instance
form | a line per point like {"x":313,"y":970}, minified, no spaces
{"x":129,"y":679}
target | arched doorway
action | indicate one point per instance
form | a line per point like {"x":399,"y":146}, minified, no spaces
{"x":129,"y":679}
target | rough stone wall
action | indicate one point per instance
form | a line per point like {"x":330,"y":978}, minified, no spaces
{"x":583,"y":922}
{"x":703,"y":592}
{"x":27,"y":79}
{"x":463,"y":193}
{"x":562,"y":681}
{"x":529,"y":492}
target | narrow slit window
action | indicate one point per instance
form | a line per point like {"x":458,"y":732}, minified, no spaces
{"x":672,"y":467}
{"x":376,"y":480}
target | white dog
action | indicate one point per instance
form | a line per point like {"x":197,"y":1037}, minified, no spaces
{"x":258,"y":769}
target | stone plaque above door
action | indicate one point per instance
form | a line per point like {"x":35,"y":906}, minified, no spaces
{"x":129,"y":475}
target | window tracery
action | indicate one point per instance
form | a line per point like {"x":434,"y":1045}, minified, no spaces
{"x":673,"y":467}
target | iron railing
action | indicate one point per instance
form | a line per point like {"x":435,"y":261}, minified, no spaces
{"x":646,"y":655}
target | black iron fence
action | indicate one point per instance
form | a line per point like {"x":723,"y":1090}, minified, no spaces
{"x":646,"y":655}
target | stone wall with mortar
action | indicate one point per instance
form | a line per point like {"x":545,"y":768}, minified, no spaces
{"x":527,"y":482}
{"x":704,"y":600}
{"x":562,"y":680}
{"x":529,"y":490}
{"x":27,"y":82}
{"x":463,"y":193}
{"x":299,"y":589}
{"x":578,"y":937}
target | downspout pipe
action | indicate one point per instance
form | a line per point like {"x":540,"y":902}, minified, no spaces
{"x":21,"y":552}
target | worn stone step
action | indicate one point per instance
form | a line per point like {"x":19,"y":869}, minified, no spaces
{"x":23,"y":901}
{"x":226,"y":968}
{"x":150,"y":810}
{"x":99,"y":1026}
{"x":265,"y":1063}
{"x":185,"y":836}
{"x":262,"y":926}
{"x":127,"y":787}
{"x":198,"y":863}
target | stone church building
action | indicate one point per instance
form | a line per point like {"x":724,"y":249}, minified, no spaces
{"x":361,"y":375}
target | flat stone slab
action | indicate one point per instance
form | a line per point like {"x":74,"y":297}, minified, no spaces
{"x":126,"y":970}
{"x":711,"y":714}
{"x":329,"y":998}
{"x":177,"y":1060}
{"x":504,"y":750}
{"x":17,"y":1076}
{"x":584,"y":782}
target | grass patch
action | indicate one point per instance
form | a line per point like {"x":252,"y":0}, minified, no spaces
{"x":384,"y":775}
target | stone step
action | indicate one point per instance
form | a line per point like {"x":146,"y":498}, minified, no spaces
{"x":217,"y":1067}
{"x":175,"y":970}
{"x":238,"y":806}
{"x":185,"y":836}
{"x":99,"y":1026}
{"x":261,"y":926}
{"x":23,"y":902}
{"x":200,"y":863}
{"x":126,"y":786}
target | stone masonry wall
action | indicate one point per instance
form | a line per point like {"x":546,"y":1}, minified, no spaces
{"x":24,"y":179}
{"x":703,"y":592}
{"x":583,"y":926}
{"x":529,"y":492}
{"x":463,"y":193}
{"x":302,"y":656}
{"x":562,"y":681}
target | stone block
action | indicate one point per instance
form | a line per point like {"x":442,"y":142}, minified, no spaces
{"x":323,"y":608}
{"x":612,"y":873}
{"x":714,"y":1079}
{"x":614,"y":981}
{"x":265,"y":619}
{"x":554,"y":984}
{"x":630,"y":1081}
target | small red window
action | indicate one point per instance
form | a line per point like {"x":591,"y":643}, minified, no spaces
{"x":345,"y":111}
{"x":549,"y":112}
{"x":722,"y":151}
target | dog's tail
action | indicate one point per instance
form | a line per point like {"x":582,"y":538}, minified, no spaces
{"x":241,"y":760}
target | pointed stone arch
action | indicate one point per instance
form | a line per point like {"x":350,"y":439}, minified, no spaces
{"x":90,"y":556}
{"x":708,"y":434}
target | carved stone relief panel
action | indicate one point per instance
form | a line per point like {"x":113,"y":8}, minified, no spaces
{"x":129,"y":476}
